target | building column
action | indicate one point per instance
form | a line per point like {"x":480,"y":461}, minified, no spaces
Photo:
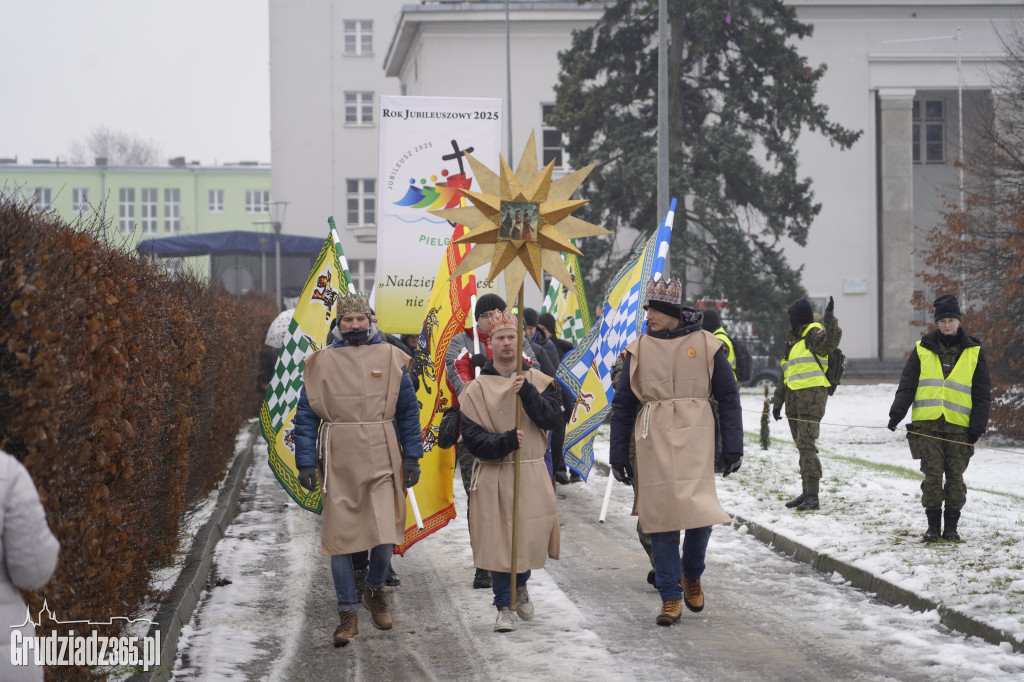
{"x":896,"y":222}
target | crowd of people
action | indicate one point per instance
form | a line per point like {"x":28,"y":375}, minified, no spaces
{"x":676,"y":421}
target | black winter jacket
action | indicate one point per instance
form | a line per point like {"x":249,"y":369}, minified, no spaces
{"x":625,"y":404}
{"x":981,"y":386}
{"x":543,"y":409}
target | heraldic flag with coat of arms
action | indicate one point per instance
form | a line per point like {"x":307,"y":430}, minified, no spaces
{"x":307,"y":334}
{"x":587,"y":371}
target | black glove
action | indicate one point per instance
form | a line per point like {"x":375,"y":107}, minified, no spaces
{"x":893,"y":423}
{"x":733,"y":460}
{"x":777,"y":412}
{"x":972,"y":438}
{"x":307,"y":478}
{"x":831,"y":306}
{"x":478,"y":360}
{"x":410,"y":471}
{"x":623,"y":473}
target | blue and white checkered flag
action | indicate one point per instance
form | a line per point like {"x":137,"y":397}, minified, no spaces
{"x":586,"y":372}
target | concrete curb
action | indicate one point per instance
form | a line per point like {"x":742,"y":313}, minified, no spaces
{"x":872,"y":584}
{"x":882,"y":589}
{"x":178,"y":609}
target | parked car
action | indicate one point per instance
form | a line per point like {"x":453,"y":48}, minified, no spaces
{"x":766,"y":372}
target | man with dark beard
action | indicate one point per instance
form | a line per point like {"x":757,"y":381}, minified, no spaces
{"x":946,"y":383}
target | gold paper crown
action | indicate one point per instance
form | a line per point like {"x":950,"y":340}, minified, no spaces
{"x":666,"y":290}
{"x":502,"y":319}
{"x":357,"y":302}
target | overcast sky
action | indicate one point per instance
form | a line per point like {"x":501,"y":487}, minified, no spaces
{"x":190,"y":75}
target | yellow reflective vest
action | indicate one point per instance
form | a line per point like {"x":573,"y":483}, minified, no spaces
{"x":724,"y":338}
{"x":802,"y":369}
{"x":948,"y":397}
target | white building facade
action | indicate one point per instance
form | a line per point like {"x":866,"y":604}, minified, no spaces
{"x":892,"y":72}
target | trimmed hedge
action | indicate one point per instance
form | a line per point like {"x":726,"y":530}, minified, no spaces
{"x":122,"y":393}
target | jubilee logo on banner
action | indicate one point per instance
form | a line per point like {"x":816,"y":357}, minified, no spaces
{"x":423,"y":143}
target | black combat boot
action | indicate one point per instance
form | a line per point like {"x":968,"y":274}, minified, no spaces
{"x":798,"y":500}
{"x":810,"y":503}
{"x":934,"y":521}
{"x":951,"y":519}
{"x":482,"y":579}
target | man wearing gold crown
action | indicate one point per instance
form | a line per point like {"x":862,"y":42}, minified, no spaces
{"x":358,"y":411}
{"x":488,"y":429}
{"x":662,"y":394}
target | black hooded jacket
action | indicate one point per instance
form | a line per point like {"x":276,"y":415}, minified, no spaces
{"x":543,"y":408}
{"x":625,"y":404}
{"x":981,"y":386}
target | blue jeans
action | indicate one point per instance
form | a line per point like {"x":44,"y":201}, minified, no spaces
{"x":501,"y":583}
{"x":345,"y":577}
{"x":668,"y":569}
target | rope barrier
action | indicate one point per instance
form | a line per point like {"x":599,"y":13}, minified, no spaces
{"x":916,"y":433}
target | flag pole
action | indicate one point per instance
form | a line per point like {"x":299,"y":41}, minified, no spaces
{"x":415,"y":508}
{"x":607,"y":498}
{"x":519,"y":424}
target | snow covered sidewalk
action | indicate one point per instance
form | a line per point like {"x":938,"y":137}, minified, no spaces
{"x":871,"y":517}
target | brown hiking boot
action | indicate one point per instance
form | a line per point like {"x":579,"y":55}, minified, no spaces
{"x":671,"y":610}
{"x":693,"y":595}
{"x":378,"y":606}
{"x":347,"y":629}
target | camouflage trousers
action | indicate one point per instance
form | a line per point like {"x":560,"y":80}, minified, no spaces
{"x":804,"y":410}
{"x":464,"y":458}
{"x":940,"y":458}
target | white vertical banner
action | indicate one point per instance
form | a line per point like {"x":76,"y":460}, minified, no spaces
{"x":423,"y":142}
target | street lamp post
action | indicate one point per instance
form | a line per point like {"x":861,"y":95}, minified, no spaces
{"x":263,"y":262}
{"x":277,"y":211}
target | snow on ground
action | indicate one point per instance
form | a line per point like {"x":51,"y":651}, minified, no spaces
{"x":871,"y":518}
{"x":269,"y":551}
{"x":871,"y":515}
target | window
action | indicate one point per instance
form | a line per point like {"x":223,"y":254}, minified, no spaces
{"x":933,"y":126}
{"x":172,"y":210}
{"x":362,"y":272}
{"x":40,"y":201}
{"x":257,"y":201}
{"x":216,"y":201}
{"x":126,"y":209}
{"x":361,"y":198}
{"x":358,"y":38}
{"x":359,"y":108}
{"x":147,"y":208}
{"x":551,"y":139}
{"x":80,"y":199}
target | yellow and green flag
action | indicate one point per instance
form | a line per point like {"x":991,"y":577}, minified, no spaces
{"x":307,"y":334}
{"x":569,"y":306}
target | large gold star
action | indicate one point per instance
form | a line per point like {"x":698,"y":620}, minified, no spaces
{"x":524,"y":246}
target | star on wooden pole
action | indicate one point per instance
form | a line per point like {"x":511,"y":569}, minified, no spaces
{"x":521,"y":222}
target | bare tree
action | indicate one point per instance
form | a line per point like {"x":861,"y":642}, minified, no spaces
{"x":118,"y":147}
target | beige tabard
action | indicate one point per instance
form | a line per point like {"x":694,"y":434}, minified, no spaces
{"x":490,"y":402}
{"x":354,"y":390}
{"x":675,"y":432}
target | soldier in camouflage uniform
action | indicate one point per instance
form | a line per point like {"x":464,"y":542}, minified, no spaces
{"x":946,"y":383}
{"x":804,"y":389}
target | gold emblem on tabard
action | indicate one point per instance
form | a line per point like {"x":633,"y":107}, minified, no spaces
{"x":691,"y":352}
{"x":376,"y":372}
